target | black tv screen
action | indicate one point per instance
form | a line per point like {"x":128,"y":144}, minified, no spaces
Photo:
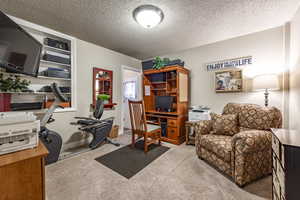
{"x":19,"y":51}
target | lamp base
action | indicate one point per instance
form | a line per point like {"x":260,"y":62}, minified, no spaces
{"x":266,"y":98}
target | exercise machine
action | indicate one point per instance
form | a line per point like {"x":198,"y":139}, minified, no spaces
{"x":100,"y":129}
{"x":51,"y":139}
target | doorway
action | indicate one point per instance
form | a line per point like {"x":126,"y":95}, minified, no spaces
{"x":131,"y":89}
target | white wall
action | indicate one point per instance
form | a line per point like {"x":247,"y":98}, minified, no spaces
{"x":267,"y":50}
{"x":295,"y":72}
{"x":89,"y":56}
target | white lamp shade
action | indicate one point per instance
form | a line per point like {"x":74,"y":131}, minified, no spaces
{"x":266,"y":81}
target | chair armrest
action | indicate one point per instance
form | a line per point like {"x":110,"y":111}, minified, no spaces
{"x":203,"y":127}
{"x":252,"y":141}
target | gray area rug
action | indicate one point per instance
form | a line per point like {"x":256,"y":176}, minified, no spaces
{"x":129,"y":161}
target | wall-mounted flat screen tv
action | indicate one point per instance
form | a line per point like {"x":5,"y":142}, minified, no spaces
{"x":19,"y":51}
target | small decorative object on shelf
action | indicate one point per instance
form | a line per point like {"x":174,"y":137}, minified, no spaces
{"x":159,"y":63}
{"x":104,"y":97}
{"x":13,"y":84}
{"x":9,"y":85}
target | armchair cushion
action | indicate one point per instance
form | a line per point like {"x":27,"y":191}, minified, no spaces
{"x":257,"y":117}
{"x":220,"y":145}
{"x":224,"y":124}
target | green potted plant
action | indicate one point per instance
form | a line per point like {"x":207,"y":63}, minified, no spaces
{"x":160,"y":62}
{"x":9,"y":85}
{"x":104,"y":97}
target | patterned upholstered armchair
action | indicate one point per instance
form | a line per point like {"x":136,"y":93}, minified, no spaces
{"x":245,"y":153}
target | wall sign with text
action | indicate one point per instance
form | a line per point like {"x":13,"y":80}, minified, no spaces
{"x":230,"y":63}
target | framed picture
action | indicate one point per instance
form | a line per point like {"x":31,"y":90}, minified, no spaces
{"x":229,"y":81}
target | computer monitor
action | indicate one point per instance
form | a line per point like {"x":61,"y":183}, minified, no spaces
{"x":163,"y":103}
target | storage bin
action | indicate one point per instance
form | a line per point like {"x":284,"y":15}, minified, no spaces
{"x":114,"y":132}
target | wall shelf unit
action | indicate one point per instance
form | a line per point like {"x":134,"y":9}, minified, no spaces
{"x":41,"y":33}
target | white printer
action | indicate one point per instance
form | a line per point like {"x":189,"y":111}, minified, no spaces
{"x":198,"y":113}
{"x":18,"y":131}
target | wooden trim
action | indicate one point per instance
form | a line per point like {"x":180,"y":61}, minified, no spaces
{"x":166,"y":69}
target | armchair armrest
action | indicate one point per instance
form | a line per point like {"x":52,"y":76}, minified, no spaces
{"x":252,"y":141}
{"x":252,"y":157}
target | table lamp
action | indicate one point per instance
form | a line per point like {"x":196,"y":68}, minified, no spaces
{"x":266,"y":82}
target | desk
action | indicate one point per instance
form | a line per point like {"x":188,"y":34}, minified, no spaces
{"x":22,"y":174}
{"x":172,"y":125}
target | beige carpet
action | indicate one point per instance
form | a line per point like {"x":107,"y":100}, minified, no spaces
{"x":176,"y":175}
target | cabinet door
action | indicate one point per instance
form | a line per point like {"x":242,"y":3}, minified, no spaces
{"x":22,"y":180}
{"x":183,"y":87}
{"x":173,"y":133}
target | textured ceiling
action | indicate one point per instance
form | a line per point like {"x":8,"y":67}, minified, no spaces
{"x":187,"y":23}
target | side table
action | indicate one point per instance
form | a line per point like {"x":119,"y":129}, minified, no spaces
{"x":190,"y":132}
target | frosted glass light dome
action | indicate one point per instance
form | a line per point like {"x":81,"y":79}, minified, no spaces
{"x":148,"y":16}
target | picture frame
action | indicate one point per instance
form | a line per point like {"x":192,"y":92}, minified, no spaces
{"x":228,"y":81}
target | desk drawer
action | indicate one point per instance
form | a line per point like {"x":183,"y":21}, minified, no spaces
{"x":173,"y":133}
{"x":172,"y":123}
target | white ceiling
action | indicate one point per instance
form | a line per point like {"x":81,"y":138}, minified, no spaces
{"x":187,"y":23}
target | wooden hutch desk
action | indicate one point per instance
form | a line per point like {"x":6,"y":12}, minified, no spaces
{"x":172,"y":81}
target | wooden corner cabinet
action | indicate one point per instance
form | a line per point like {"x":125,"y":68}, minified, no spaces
{"x":169,"y":85}
{"x":286,"y":164}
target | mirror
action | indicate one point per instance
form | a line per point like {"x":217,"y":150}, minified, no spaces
{"x":103,"y":86}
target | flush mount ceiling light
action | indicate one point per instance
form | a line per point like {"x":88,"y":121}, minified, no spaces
{"x":148,"y":16}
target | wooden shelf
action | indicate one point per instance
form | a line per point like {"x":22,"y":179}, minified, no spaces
{"x":158,"y":83}
{"x":36,"y":93}
{"x":55,"y":63}
{"x":159,"y":89}
{"x":57,"y":50}
{"x":42,"y":77}
{"x":55,"y":78}
{"x":165,"y":69}
{"x":172,"y":79}
{"x":164,"y":113}
{"x":151,"y":122}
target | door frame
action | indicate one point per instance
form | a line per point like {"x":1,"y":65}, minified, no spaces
{"x":123,"y":68}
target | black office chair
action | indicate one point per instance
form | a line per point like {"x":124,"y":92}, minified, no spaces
{"x":100,"y":129}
